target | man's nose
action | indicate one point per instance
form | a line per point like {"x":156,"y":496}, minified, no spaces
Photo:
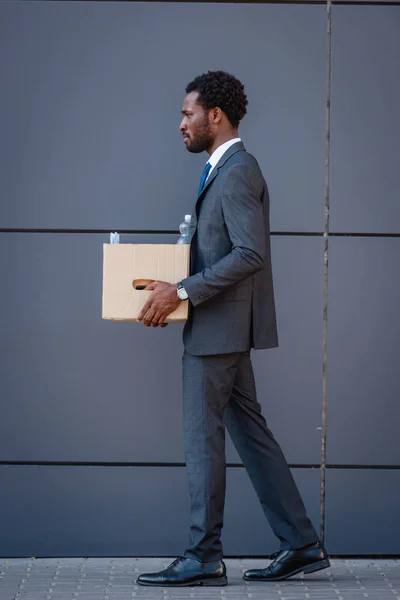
{"x":182,"y":127}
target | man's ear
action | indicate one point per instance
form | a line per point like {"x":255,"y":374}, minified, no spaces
{"x":216,"y":115}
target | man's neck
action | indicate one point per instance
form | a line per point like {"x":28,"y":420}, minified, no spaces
{"x":222,"y":139}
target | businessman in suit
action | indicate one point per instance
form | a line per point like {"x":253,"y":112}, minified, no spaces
{"x":231,"y":310}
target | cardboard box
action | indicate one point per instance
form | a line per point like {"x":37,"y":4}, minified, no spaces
{"x":127,"y":268}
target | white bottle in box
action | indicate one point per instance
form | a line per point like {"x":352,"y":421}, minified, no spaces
{"x":184,"y":228}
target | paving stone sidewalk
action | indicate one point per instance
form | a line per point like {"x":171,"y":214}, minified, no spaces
{"x":115,"y":579}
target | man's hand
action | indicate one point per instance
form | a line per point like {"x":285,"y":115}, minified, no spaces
{"x":162,"y":302}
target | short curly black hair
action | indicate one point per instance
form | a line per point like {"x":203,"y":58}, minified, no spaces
{"x":217,"y":88}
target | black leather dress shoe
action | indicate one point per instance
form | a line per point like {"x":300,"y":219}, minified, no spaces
{"x":187,"y":572}
{"x":291,"y":562}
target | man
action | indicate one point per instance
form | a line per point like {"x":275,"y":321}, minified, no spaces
{"x":231,"y":310}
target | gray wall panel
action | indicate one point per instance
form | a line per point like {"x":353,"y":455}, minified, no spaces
{"x":83,"y":389}
{"x":365,"y":119}
{"x":90,"y":113}
{"x":362,"y":511}
{"x":125,"y":511}
{"x":363,"y":363}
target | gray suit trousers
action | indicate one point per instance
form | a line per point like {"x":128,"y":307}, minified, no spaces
{"x":218,"y":391}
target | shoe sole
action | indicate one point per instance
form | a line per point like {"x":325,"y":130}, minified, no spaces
{"x":318,"y":566}
{"x":217,"y":582}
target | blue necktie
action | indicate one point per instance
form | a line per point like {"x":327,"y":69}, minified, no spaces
{"x":204,"y":177}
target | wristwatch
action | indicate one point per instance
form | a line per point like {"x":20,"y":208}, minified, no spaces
{"x":182,"y":293}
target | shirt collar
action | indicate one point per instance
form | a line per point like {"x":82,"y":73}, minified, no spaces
{"x":220,"y":151}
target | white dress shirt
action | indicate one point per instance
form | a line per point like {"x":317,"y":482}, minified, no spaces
{"x":219,"y":152}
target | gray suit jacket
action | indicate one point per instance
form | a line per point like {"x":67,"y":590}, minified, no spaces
{"x":231,"y":298}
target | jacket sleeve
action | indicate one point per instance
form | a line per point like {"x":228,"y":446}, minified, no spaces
{"x":244,"y":218}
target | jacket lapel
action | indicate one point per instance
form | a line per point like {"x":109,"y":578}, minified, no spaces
{"x":232,"y":150}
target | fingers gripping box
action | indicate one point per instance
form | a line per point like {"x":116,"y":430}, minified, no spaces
{"x":128,"y":268}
